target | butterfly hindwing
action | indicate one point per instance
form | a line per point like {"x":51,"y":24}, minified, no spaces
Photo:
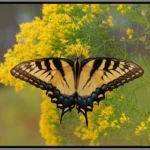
{"x":54,"y":75}
{"x":99,"y":75}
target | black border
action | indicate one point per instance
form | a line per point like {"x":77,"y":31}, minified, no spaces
{"x":74,"y":146}
{"x":73,"y":2}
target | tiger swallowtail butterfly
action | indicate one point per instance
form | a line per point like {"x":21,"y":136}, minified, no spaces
{"x":78,"y":83}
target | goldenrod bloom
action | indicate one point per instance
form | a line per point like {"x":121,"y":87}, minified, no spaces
{"x":140,"y":128}
{"x":123,"y":118}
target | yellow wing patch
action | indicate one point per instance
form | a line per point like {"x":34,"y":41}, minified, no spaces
{"x":47,"y":71}
{"x":97,"y":72}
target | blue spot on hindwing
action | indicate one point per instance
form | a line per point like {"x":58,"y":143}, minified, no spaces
{"x":104,"y":87}
{"x":98,"y":91}
{"x":49,"y":87}
{"x":65,"y":102}
{"x":71,"y":99}
{"x":94,"y":96}
{"x":89,"y":101}
{"x":61,"y":99}
{"x":79,"y":100}
{"x":57,"y":93}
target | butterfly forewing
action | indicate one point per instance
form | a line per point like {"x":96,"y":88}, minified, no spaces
{"x":96,"y":72}
{"x":42,"y":72}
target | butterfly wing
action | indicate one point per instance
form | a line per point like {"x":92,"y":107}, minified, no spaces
{"x":99,"y":75}
{"x":55,"y":75}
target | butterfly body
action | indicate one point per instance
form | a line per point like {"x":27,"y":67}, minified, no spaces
{"x":79,"y":83}
{"x":77,"y":68}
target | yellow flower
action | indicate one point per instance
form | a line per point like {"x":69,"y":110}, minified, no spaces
{"x":123,"y":11}
{"x":129,"y":31}
{"x":95,"y":8}
{"x":140,"y":128}
{"x":130,"y":36}
{"x":49,"y":119}
{"x":103,"y":125}
{"x":107,"y":111}
{"x":77,"y":49}
{"x":109,"y":94}
{"x":143,"y":13}
{"x":123,"y":118}
{"x":148,"y":120}
{"x":68,"y":8}
{"x":113,"y":123}
{"x":109,"y":21}
{"x":123,"y":8}
{"x":120,"y":6}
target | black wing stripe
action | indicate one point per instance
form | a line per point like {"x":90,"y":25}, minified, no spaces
{"x":47,"y":64}
{"x":96,"y":65}
{"x":58,"y":65}
{"x":38,"y":64}
{"x":107,"y":64}
{"x":116,"y":64}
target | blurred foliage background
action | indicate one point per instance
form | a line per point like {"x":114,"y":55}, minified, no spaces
{"x":119,"y":30}
{"x":19,"y":115}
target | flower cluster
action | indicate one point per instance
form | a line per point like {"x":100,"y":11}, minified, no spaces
{"x":143,"y":13}
{"x":49,"y":121}
{"x":129,"y":32}
{"x":109,"y":21}
{"x":123,"y":8}
{"x":77,"y":49}
{"x":123,"y":118}
{"x":140,"y":128}
{"x":102,"y":121}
